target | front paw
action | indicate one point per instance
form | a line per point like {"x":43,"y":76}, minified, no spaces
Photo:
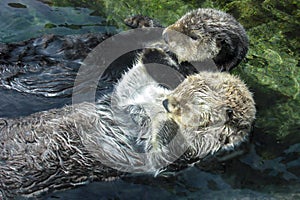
{"x":140,"y":21}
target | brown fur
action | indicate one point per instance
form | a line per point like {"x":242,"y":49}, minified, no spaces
{"x":208,"y":33}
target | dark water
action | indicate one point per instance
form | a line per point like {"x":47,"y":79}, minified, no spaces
{"x":270,"y":169}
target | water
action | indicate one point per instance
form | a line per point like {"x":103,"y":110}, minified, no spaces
{"x":269,"y":170}
{"x":27,"y":19}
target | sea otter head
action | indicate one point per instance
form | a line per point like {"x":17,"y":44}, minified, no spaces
{"x":212,"y":110}
{"x":207,"y":34}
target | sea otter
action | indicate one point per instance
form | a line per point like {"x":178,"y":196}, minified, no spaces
{"x":141,"y":127}
{"x":199,"y":35}
{"x":137,"y":128}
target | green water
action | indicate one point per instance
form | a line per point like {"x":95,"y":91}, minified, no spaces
{"x":271,"y":70}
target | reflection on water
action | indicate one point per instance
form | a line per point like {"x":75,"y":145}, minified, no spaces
{"x":192,"y":183}
{"x":31,"y":18}
{"x":270,"y":169}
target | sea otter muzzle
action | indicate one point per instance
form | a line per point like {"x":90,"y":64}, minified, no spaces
{"x":165,"y":104}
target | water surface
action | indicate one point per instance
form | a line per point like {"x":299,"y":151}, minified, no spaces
{"x":269,"y":170}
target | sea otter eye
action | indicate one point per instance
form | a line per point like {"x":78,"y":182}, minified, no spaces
{"x":165,"y":104}
{"x":219,"y":42}
{"x":194,"y":36}
{"x":229,"y":113}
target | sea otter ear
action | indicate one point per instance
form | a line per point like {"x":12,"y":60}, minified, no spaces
{"x":220,"y":40}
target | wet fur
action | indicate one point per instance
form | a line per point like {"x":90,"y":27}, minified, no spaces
{"x":129,"y":130}
{"x":201,"y":34}
{"x":66,"y":147}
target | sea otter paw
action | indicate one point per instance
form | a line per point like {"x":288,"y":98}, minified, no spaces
{"x":140,"y":21}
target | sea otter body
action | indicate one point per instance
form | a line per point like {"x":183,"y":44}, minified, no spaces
{"x":140,"y":127}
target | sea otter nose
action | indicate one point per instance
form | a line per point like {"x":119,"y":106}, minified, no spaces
{"x":165,"y":104}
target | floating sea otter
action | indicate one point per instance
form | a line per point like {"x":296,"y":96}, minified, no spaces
{"x":207,"y":34}
{"x":140,"y":127}
{"x":66,"y":147}
{"x":210,"y":34}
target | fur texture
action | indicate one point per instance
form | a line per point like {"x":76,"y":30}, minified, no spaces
{"x":207,"y":33}
{"x":141,"y":127}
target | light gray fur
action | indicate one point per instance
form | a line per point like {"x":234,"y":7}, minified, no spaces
{"x":130,"y":130}
{"x":125,"y":131}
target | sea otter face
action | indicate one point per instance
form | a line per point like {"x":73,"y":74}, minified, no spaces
{"x":215,"y":108}
{"x":207,"y":34}
{"x":190,"y":45}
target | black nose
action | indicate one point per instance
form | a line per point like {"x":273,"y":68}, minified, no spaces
{"x":165,"y":104}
